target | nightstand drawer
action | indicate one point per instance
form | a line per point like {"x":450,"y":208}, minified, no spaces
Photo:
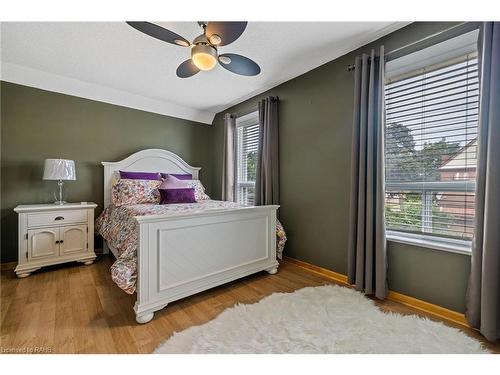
{"x":57,"y":217}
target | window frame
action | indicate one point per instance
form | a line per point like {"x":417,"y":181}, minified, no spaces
{"x":250,"y":119}
{"x":436,"y":242}
{"x":452,"y":245}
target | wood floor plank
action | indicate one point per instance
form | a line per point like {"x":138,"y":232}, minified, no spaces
{"x":25,"y":333}
{"x":78,"y":309}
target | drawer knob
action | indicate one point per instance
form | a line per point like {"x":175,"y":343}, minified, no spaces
{"x":59,"y":218}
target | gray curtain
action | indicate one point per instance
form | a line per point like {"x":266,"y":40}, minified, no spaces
{"x":267,"y":182}
{"x":367,"y":259}
{"x":483,"y":295}
{"x":228,"y":158}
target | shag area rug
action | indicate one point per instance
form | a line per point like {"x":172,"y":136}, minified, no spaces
{"x":325,"y":319}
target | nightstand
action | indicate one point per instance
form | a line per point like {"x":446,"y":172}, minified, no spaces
{"x":52,"y":234}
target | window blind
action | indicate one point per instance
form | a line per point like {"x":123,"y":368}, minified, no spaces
{"x":247,"y":148}
{"x":431,"y":149}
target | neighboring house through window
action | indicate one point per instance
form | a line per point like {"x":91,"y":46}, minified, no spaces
{"x":431,"y":144}
{"x":247,"y":148}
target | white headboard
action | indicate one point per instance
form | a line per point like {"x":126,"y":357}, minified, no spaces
{"x":152,"y":160}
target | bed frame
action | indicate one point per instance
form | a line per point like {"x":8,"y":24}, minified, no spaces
{"x":187,"y":253}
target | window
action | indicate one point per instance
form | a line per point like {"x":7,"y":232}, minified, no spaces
{"x":247,"y":149}
{"x":431,"y":142}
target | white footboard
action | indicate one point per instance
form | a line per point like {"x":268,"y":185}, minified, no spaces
{"x":186,"y":254}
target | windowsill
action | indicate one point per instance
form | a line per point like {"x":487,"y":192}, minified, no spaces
{"x":430,"y":242}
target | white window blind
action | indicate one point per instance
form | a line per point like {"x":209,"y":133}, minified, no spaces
{"x":431,"y":141}
{"x":247,"y":148}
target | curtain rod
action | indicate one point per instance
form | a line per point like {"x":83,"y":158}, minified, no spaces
{"x":427,"y":41}
{"x":252,"y":108}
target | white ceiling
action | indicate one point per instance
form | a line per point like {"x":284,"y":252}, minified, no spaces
{"x":114,"y":63}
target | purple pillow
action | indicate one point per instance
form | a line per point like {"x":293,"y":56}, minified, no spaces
{"x":178,"y":195}
{"x":140,"y":175}
{"x":171,"y":182}
{"x":178,"y":176}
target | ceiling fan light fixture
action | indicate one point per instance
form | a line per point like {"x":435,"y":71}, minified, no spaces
{"x":204,"y":57}
{"x":181,"y":43}
{"x":201,"y":39}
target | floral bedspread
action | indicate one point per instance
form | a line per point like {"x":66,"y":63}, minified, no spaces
{"x":119,"y":228}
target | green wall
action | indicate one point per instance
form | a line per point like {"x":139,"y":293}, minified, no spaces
{"x":38,"y":124}
{"x":435,"y":276}
{"x":315,"y":155}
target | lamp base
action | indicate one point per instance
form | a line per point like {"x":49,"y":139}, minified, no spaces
{"x":59,"y":201}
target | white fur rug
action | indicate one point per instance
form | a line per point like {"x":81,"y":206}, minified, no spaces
{"x":326,"y":319}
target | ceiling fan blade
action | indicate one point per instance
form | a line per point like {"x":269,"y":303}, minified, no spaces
{"x":227,"y":31}
{"x":159,"y":32}
{"x":239,"y":64}
{"x":187,"y":69}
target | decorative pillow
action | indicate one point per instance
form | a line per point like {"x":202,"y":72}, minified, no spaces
{"x":177,"y":195}
{"x":186,"y":176}
{"x":140,"y":175}
{"x":171,"y":182}
{"x":130,"y":191}
{"x":199,"y":190}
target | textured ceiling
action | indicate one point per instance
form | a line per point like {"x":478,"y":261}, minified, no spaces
{"x":112,"y":62}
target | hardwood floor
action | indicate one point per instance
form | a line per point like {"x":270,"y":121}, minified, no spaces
{"x":78,"y":309}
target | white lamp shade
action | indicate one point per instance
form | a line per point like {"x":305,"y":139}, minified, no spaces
{"x":59,"y":169}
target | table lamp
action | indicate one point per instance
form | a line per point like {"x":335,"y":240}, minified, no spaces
{"x":59,"y":169}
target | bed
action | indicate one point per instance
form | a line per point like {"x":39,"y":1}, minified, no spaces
{"x":180,"y":252}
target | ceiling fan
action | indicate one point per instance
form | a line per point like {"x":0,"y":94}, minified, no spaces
{"x":204,"y":48}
